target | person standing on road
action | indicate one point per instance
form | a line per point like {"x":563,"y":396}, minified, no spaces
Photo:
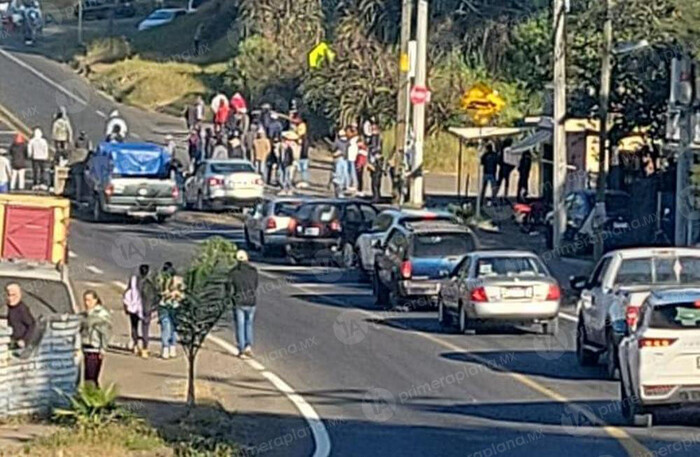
{"x":191,"y":116}
{"x":199,"y":105}
{"x":300,"y":128}
{"x":149,"y":301}
{"x":221,"y":116}
{"x":19,"y":161}
{"x":524,"y":175}
{"x":19,"y":317}
{"x":360,"y":164}
{"x":353,"y":151}
{"x":245,"y":282}
{"x":339,"y":177}
{"x":275,"y":128}
{"x":96,"y":331}
{"x":262,"y":149}
{"x":170,"y":287}
{"x":506,"y":165}
{"x":38,"y":151}
{"x":5,"y":172}
{"x":271,"y":162}
{"x":133,"y":307}
{"x":376,"y":170}
{"x":62,"y":135}
{"x":489,"y":165}
{"x":286,"y":164}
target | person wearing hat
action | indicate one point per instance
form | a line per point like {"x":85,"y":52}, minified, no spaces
{"x":5,"y":172}
{"x":244,"y":278}
{"x":19,"y":161}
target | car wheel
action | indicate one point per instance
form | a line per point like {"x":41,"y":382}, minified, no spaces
{"x":443,"y":318}
{"x":550,"y":327}
{"x":585,"y":356}
{"x":381,"y":294}
{"x":612,"y":361}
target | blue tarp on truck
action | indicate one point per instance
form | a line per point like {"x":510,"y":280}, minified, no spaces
{"x":130,"y":159}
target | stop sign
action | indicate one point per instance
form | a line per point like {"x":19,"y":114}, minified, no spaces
{"x":419,"y":95}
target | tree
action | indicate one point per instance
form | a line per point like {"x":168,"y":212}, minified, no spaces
{"x":207,"y":297}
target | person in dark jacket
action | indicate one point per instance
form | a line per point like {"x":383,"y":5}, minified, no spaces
{"x":245,"y":282}
{"x":274,"y":128}
{"x":489,"y":165}
{"x":524,"y":175}
{"x":19,"y":161}
{"x":149,"y":302}
{"x":19,"y":317}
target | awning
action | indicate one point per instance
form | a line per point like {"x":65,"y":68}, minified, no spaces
{"x":534,"y":140}
{"x":477,"y":133}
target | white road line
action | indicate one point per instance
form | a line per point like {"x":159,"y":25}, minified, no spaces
{"x":7,"y":132}
{"x":100,"y":113}
{"x":318,"y":429}
{"x":42,"y":76}
{"x":94,"y":269}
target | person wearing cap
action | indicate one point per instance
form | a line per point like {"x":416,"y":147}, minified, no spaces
{"x":19,"y":162}
{"x":244,"y":278}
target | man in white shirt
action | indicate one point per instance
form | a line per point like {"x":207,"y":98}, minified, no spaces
{"x":38,"y":150}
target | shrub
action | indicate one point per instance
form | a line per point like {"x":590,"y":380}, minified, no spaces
{"x":91,"y":408}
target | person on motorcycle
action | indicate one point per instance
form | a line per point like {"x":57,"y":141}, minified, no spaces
{"x":116,"y":135}
{"x":115,"y":120}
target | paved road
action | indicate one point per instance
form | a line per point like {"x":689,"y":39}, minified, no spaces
{"x":384,"y":383}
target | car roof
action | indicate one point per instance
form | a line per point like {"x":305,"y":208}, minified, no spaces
{"x":29,"y":270}
{"x":669,"y":296}
{"x":502,"y":253}
{"x":640,"y":253}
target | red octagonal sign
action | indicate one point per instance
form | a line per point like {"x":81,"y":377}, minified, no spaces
{"x":419,"y":95}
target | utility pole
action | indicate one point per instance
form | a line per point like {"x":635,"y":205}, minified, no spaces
{"x":419,"y":108}
{"x":402,"y":101}
{"x":559,"y":127}
{"x":605,"y":75}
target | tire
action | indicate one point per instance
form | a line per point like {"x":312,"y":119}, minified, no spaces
{"x":612,"y":357}
{"x":586,"y":358}
{"x":381,"y":294}
{"x":550,"y":327}
{"x":97,"y":213}
{"x":443,"y":317}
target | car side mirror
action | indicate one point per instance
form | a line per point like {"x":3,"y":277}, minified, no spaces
{"x":578,"y":283}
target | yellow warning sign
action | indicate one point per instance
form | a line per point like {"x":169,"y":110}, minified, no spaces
{"x":482,"y":103}
{"x":404,"y":63}
{"x":319,"y":54}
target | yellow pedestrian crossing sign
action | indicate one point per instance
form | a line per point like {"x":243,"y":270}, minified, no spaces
{"x":319,"y":54}
{"x":482,"y":103}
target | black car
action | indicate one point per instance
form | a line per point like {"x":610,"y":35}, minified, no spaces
{"x":326,"y":230}
{"x":415,"y":259}
{"x":579,"y":236}
{"x":101,"y":9}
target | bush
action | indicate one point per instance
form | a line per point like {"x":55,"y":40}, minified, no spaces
{"x":91,"y":408}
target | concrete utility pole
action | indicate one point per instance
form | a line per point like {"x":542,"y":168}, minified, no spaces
{"x":559,"y":127}
{"x":402,"y":101}
{"x":419,"y":108}
{"x":605,"y":75}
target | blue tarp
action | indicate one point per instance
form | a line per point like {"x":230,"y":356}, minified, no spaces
{"x":132,"y":159}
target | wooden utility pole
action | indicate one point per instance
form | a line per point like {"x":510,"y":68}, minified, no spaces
{"x":402,"y":100}
{"x":605,"y":75}
{"x":559,"y":159}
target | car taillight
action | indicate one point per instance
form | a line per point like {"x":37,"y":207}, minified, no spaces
{"x":335,"y":226}
{"x":631,"y":316}
{"x":406,"y":269}
{"x":655,"y":391}
{"x":175,"y":192}
{"x":554,"y":292}
{"x":291,"y":227}
{"x":109,"y":190}
{"x":271,"y":224}
{"x":656,"y":342}
{"x":215,"y":182}
{"x":479,"y":295}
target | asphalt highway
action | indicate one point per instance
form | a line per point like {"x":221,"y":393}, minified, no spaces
{"x":384,"y":383}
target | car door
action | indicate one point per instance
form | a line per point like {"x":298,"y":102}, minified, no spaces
{"x":255,"y":226}
{"x":630,"y":346}
{"x":592,"y":300}
{"x":191,"y":186}
{"x":453,"y":287}
{"x":387,"y":260}
{"x":377,"y":234}
{"x":352,"y":223}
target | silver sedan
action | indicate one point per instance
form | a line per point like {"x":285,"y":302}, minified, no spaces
{"x":500,"y":286}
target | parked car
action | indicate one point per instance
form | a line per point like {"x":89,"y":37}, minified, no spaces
{"x":266,"y":227}
{"x":383,"y":224}
{"x":578,"y":237}
{"x":619,"y":284}
{"x":219,"y":184}
{"x":101,"y":9}
{"x":328,"y":230}
{"x":161,"y":17}
{"x":500,"y":286}
{"x":414,"y":260}
{"x":659,"y":360}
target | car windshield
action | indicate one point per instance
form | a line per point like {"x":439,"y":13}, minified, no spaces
{"x":234,"y":167}
{"x":160,"y":15}
{"x":659,"y":271}
{"x":442,"y":244}
{"x":509,"y":267}
{"x":286,"y":208}
{"x":676,"y":316}
{"x":41,"y":296}
{"x":320,"y":212}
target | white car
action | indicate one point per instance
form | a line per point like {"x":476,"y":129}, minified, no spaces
{"x":660,"y":359}
{"x":161,"y":17}
{"x":266,"y":227}
{"x":367,"y":244}
{"x":220,"y":184}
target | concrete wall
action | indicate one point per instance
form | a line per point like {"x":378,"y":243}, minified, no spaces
{"x":28,"y":386}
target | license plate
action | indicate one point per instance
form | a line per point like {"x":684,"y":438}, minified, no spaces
{"x":620,"y":225}
{"x":517,"y":292}
{"x":312,"y":231}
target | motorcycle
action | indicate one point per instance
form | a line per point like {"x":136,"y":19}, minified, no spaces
{"x":530,"y":216}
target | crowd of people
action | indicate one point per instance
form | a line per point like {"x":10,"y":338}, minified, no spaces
{"x":497,"y":166}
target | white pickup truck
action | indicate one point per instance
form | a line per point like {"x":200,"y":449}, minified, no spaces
{"x":612,"y":295}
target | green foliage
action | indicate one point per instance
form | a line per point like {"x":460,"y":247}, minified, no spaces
{"x":529,"y":58}
{"x":91,"y":407}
